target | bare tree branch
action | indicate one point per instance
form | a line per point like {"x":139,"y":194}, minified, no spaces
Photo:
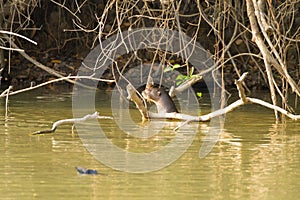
{"x":242,"y":101}
{"x":72,"y":121}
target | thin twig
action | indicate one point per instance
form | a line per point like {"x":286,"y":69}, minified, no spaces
{"x":16,"y":34}
{"x":3,"y":94}
{"x":6,"y":101}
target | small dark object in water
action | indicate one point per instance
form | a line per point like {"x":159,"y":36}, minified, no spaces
{"x":82,"y":170}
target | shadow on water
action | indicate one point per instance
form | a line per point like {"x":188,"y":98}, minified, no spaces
{"x":254,"y":158}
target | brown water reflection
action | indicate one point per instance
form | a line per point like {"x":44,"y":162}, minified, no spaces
{"x":254,"y":159}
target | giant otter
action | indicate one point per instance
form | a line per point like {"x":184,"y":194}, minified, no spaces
{"x":161,"y":98}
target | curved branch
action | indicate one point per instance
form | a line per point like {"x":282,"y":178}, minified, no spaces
{"x":4,"y":94}
{"x":36,"y":63}
{"x":16,"y":34}
{"x":95,"y":115}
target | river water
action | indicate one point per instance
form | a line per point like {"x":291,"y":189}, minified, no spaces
{"x":254,"y":158}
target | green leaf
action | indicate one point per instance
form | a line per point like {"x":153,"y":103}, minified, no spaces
{"x":175,"y":66}
{"x":179,"y":77}
{"x":178,"y":83}
{"x":199,"y":94}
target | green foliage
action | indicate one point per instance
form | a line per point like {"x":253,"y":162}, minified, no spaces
{"x":199,"y":94}
{"x":182,"y":78}
{"x":172,"y":68}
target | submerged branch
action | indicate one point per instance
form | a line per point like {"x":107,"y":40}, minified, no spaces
{"x":95,"y":115}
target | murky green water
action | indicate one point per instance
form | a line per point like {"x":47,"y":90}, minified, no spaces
{"x":254,"y":158}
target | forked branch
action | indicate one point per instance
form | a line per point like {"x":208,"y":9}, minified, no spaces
{"x":202,"y":118}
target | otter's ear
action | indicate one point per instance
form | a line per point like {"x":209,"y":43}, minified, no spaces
{"x":158,"y":93}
